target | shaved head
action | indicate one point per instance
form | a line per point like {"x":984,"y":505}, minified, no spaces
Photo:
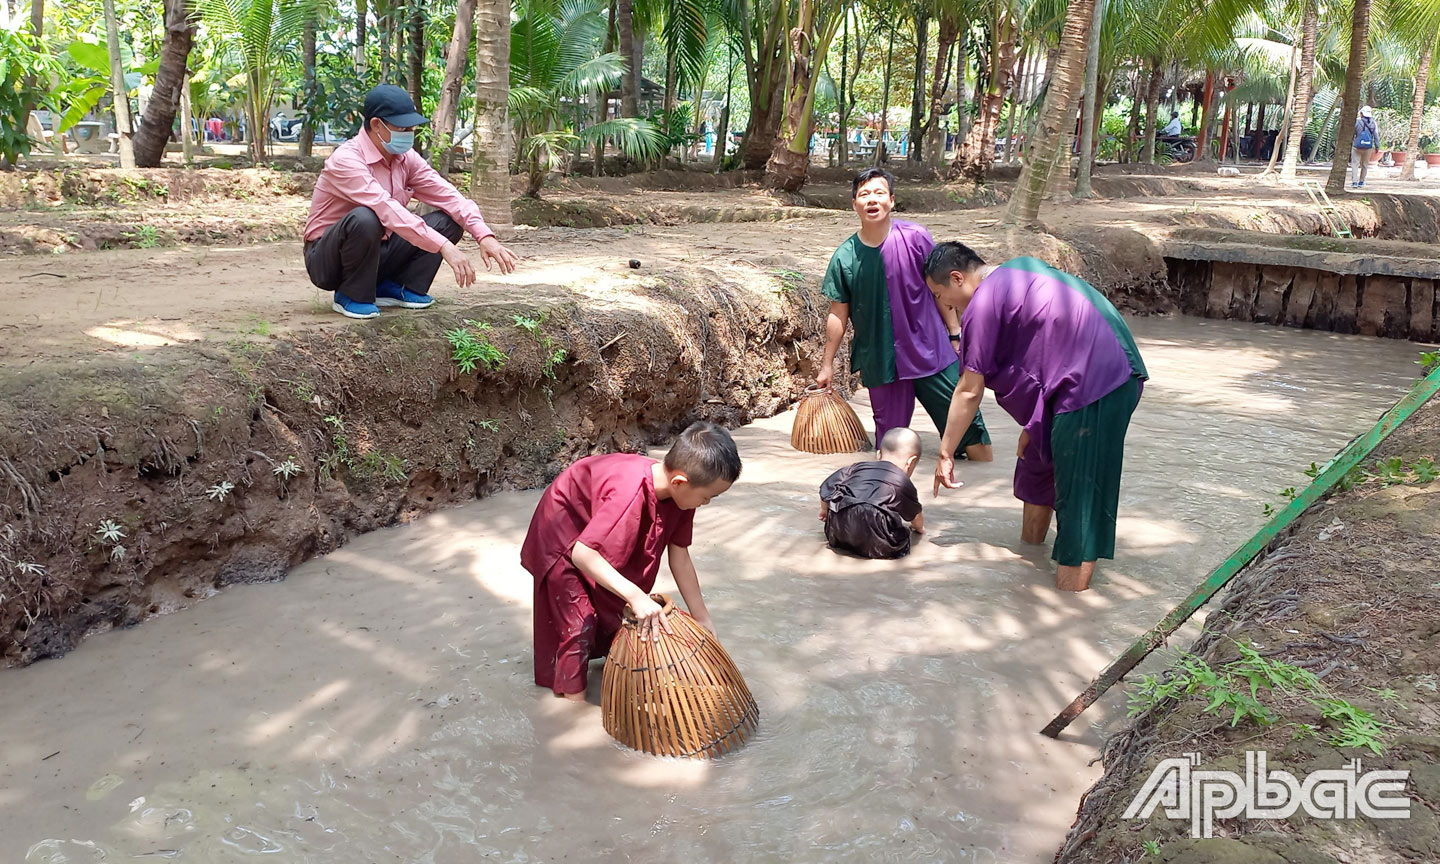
{"x":900,"y":443}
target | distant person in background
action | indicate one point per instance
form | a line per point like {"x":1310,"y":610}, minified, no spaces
{"x":1366,"y":137}
{"x":363,"y":243}
{"x":1173,"y":129}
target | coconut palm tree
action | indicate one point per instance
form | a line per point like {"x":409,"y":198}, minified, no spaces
{"x":1417,"y":24}
{"x":1055,"y":116}
{"x":1304,"y":87}
{"x":555,"y":63}
{"x":490,"y":165}
{"x":1350,"y":105}
{"x":262,"y":33}
{"x":169,"y":80}
{"x":442,"y":126}
{"x":815,"y":24}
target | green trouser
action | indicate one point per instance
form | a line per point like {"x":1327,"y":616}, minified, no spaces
{"x":1088,"y":448}
{"x":894,"y":405}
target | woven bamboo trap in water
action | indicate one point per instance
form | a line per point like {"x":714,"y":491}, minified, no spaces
{"x":825,"y":423}
{"x":678,"y":695}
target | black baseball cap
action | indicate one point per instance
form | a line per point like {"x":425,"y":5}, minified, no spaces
{"x":393,"y":105}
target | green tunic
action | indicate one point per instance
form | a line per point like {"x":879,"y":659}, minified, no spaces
{"x":856,"y":276}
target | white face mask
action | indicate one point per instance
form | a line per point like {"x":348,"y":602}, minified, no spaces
{"x":400,"y":142}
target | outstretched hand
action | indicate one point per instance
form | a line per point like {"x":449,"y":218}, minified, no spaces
{"x":493,"y":250}
{"x":945,"y":474}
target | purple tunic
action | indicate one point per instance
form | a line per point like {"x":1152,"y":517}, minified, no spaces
{"x":922,"y":344}
{"x":1047,"y":343}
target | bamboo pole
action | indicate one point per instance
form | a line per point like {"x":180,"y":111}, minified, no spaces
{"x":1334,"y":470}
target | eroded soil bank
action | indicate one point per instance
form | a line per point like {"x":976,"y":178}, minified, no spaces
{"x":136,"y":482}
{"x":1351,"y":595}
{"x":378,"y":705}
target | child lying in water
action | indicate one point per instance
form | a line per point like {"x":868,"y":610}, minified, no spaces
{"x":865,"y":506}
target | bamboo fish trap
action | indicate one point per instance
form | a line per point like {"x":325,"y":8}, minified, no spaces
{"x":825,"y":423}
{"x":679,"y":695}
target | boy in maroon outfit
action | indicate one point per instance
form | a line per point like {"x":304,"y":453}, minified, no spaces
{"x":595,"y":543}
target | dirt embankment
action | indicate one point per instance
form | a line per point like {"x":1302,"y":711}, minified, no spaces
{"x":1350,"y":597}
{"x":138,"y":484}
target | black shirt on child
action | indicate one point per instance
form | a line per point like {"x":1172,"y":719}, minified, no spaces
{"x":870,"y":507}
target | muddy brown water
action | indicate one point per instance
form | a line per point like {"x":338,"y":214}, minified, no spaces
{"x":378,"y":707}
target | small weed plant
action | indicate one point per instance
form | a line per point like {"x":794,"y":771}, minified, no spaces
{"x":1248,"y":688}
{"x":287,"y":469}
{"x":471,"y":348}
{"x":220,"y":490}
{"x":790,"y":280}
{"x":554,"y":354}
{"x":373,"y":464}
{"x":145,"y":237}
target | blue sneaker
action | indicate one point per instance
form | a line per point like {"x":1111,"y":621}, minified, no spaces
{"x":389,"y":293}
{"x":353,"y":308}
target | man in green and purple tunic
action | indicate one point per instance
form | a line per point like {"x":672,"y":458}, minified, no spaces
{"x":905,"y":346}
{"x":1063,"y":363}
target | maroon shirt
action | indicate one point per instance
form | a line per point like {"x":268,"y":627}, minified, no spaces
{"x":609,"y":504}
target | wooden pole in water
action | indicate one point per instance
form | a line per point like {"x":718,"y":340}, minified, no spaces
{"x":1333,"y":471}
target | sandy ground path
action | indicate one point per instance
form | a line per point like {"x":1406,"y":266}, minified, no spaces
{"x":378,"y":705}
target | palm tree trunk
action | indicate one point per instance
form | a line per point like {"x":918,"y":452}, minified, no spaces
{"x":934,"y":138}
{"x":1350,"y":106}
{"x":1152,"y":108}
{"x":117,"y":84}
{"x":962,"y":102}
{"x":1304,"y":80}
{"x":602,"y":95}
{"x":977,"y":154}
{"x":789,"y":162}
{"x":1016,"y":97}
{"x":842,"y":146}
{"x":307,"y":60}
{"x":767,"y":87}
{"x":917,"y":92}
{"x":1417,"y":110}
{"x":1093,"y":104}
{"x":1282,"y":138}
{"x":630,"y":81}
{"x":448,"y":109}
{"x":164,"y":101}
{"x":885,"y":99}
{"x":187,"y":118}
{"x":1207,"y":119}
{"x":1056,"y":117}
{"x":490,"y":170}
{"x":37,"y":18}
{"x":362,"y":12}
{"x":1132,"y":129}
{"x":382,"y":35}
{"x":722,"y":129}
{"x":416,"y":78}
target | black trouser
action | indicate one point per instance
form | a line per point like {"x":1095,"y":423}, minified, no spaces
{"x":868,"y":531}
{"x":351,"y":258}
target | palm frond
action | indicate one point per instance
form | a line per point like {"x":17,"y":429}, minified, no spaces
{"x":601,"y":72}
{"x":638,"y":139}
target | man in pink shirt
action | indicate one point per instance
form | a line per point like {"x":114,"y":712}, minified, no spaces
{"x":363,"y":243}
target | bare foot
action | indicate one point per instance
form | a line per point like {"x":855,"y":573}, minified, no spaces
{"x":572,"y":697}
{"x":1073,"y":578}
